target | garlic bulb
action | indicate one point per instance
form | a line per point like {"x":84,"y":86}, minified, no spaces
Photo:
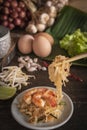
{"x":60,"y":6}
{"x":49,"y":3}
{"x":31,"y":28}
{"x":52,"y":11}
{"x":50,"y":21}
{"x":40,"y":27}
{"x":44,"y":17}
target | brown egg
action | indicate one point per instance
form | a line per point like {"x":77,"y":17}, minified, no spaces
{"x":41,"y":46}
{"x":25,"y":44}
{"x":48,"y":36}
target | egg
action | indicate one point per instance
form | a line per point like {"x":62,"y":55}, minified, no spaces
{"x":41,"y":46}
{"x":48,"y":36}
{"x":25,"y":44}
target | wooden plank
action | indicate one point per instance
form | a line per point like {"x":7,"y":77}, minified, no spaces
{"x":80,"y":4}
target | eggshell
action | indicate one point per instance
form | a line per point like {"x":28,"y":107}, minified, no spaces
{"x":48,"y":36}
{"x":25,"y":44}
{"x":41,"y":46}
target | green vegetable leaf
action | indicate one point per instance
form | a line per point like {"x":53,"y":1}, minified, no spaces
{"x":69,"y":20}
{"x":75,"y":43}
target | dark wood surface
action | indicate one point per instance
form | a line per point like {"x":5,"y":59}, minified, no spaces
{"x":75,"y":88}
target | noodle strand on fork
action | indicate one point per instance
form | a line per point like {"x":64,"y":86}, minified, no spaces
{"x":58,"y":73}
{"x":59,"y":70}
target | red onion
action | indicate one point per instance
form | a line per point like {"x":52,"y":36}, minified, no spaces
{"x":7,"y":4}
{"x":5,"y":23}
{"x":4,"y":17}
{"x":22,"y":14}
{"x":17,"y":21}
{"x":10,"y":19}
{"x":14,"y":3}
{"x":21,"y":4}
{"x":5,"y":10}
{"x":11,"y":26}
{"x":18,"y":9}
{"x":22,"y":24}
{"x":14,"y":15}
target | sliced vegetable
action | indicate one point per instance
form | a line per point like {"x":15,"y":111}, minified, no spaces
{"x":6,"y":92}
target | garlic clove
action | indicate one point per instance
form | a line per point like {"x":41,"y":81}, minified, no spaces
{"x":50,"y":21}
{"x":44,"y":68}
{"x":26,"y":58}
{"x":35,"y":60}
{"x":28,"y":65}
{"x":52,"y":11}
{"x":21,"y":65}
{"x":40,"y":27}
{"x":31,"y":69}
{"x":44,"y":17}
{"x":34,"y":64}
{"x":49,"y":3}
{"x":39,"y":67}
{"x":60,"y":6}
{"x":30,"y":61}
{"x":21,"y":60}
{"x":31,"y":28}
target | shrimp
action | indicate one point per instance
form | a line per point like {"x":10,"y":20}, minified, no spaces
{"x":28,"y":95}
{"x":43,"y":97}
{"x":37,"y":99}
{"x":50,"y":98}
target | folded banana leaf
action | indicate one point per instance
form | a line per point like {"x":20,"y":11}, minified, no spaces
{"x":67,"y":22}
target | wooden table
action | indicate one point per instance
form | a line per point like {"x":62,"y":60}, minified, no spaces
{"x":76,"y":89}
{"x":80,"y":4}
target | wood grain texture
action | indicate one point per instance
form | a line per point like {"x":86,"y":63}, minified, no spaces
{"x":75,"y":88}
{"x":80,"y":4}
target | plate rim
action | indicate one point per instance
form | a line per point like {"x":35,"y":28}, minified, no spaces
{"x":39,"y":127}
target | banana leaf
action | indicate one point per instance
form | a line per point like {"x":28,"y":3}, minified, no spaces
{"x":67,"y":22}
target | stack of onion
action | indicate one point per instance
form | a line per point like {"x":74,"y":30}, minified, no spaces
{"x":13,"y":13}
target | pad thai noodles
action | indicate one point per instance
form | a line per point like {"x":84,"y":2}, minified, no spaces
{"x":40,"y":105}
{"x":58,"y":71}
{"x":44,"y":104}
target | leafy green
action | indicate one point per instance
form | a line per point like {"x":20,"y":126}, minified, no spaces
{"x":75,"y":43}
{"x":68,"y":21}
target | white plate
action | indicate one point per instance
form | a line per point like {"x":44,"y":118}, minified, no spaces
{"x":66,"y":115}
